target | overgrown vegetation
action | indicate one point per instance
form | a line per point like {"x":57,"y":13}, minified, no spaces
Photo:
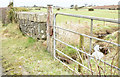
{"x":24,"y":55}
{"x":12,"y":10}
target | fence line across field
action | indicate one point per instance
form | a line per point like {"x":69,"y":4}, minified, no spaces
{"x":91,"y":37}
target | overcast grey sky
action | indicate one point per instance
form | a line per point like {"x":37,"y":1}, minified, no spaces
{"x":64,"y":3}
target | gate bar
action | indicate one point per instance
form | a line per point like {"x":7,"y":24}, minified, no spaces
{"x":87,"y":54}
{"x":88,"y":36}
{"x":74,"y":60}
{"x":91,"y":17}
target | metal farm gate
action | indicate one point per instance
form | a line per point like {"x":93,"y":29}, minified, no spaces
{"x":85,"y":62}
{"x":85,"y":66}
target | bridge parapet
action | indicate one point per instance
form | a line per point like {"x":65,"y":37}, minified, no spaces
{"x":32,"y":16}
{"x":32,"y":24}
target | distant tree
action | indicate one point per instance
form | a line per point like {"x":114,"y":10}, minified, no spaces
{"x":34,"y":6}
{"x":76,"y":7}
{"x":86,"y":4}
{"x":72,"y":6}
{"x":10,"y":4}
{"x":58,"y":9}
{"x":90,"y":9}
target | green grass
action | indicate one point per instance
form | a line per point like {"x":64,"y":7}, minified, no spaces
{"x":97,"y":13}
{"x":24,"y":55}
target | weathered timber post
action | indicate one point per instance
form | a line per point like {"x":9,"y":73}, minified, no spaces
{"x":50,"y":28}
{"x":81,"y":43}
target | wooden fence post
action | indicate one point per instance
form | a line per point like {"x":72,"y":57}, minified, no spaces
{"x":50,"y":29}
{"x":81,"y":43}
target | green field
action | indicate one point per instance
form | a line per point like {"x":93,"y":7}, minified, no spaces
{"x":99,"y":27}
{"x":97,"y":13}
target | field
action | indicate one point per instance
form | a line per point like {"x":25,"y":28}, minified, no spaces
{"x":97,"y":13}
{"x":29,"y":56}
{"x":99,"y":27}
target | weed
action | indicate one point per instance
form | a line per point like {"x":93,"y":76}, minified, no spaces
{"x":30,"y":41}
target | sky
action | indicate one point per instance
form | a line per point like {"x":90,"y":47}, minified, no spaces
{"x":63,"y":3}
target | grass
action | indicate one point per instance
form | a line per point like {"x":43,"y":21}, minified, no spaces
{"x":97,"y":13}
{"x":23,"y":55}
